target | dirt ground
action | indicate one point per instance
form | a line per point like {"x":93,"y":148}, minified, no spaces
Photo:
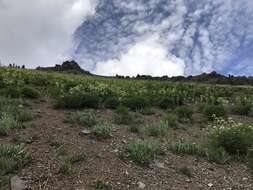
{"x":102,"y":157}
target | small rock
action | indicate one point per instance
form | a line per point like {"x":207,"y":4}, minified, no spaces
{"x":141,"y":185}
{"x":124,"y":141}
{"x":159,"y":165}
{"x":126,"y":172}
{"x":17,"y":183}
{"x":245,"y":179}
{"x":209,"y":184}
{"x":116,"y":150}
{"x":188,"y":180}
{"x":85,"y":132}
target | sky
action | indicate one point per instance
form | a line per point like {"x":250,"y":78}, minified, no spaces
{"x":130,"y":37}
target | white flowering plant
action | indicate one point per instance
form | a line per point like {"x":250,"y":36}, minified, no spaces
{"x":235,"y":137}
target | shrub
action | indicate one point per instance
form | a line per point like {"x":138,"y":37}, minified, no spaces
{"x":167,"y":102}
{"x":235,"y":138}
{"x":141,"y":152}
{"x":102,"y":131}
{"x":136,"y":102}
{"x":242,"y":109}
{"x":158,"y":129}
{"x":184,"y":113}
{"x":171,"y":120}
{"x":147,"y":111}
{"x":111,"y":102}
{"x":123,"y":116}
{"x":81,"y":118}
{"x":210,"y":111}
{"x":100,"y":184}
{"x":29,"y":92}
{"x":11,"y":92}
{"x":73,"y":101}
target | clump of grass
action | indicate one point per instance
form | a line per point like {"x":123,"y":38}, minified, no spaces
{"x":184,"y":113}
{"x":171,"y":120}
{"x":29,"y":92}
{"x":158,"y":129}
{"x":147,"y":111}
{"x":185,"y":171}
{"x":242,"y":108}
{"x":82,"y":118}
{"x":123,"y":116}
{"x":100,"y":184}
{"x":12,"y":158}
{"x":7,"y":122}
{"x":136,"y":102}
{"x":111,"y":102}
{"x":102,"y":131}
{"x":211,"y":154}
{"x":134,"y":129}
{"x":141,"y":152}
{"x":67,"y":161}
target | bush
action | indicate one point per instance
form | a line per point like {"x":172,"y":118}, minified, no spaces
{"x":123,"y":116}
{"x":81,"y":118}
{"x":159,"y":129}
{"x":134,"y":129}
{"x":242,"y":109}
{"x":75,"y":101}
{"x":29,"y":92}
{"x":184,"y":112}
{"x":102,"y":131}
{"x":101,"y":184}
{"x":235,"y":138}
{"x":167,"y":102}
{"x":171,"y":120}
{"x":111,"y":102}
{"x":136,"y":102}
{"x":210,"y":111}
{"x":67,"y":161}
{"x":11,"y":92}
{"x":140,"y":152}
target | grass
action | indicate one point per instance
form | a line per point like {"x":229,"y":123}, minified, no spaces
{"x":102,"y":131}
{"x":158,"y":129}
{"x":82,"y":118}
{"x":67,"y":161}
{"x":184,"y":113}
{"x":171,"y":120}
{"x":134,"y":129}
{"x":141,"y":152}
{"x":122,"y":115}
{"x":7,"y":122}
{"x":217,"y":155}
{"x":209,"y":111}
{"x":100,"y":184}
{"x":12,"y":157}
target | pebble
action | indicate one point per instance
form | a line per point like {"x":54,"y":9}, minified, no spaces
{"x":17,"y":183}
{"x":209,"y":184}
{"x":85,"y":132}
{"x":141,"y":185}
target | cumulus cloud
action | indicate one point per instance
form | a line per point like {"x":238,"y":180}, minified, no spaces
{"x":39,"y":32}
{"x":148,"y":57}
{"x":206,"y":35}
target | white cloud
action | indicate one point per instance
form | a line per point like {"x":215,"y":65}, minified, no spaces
{"x":39,"y":32}
{"x":147,"y":57}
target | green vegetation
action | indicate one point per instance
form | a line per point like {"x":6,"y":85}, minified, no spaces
{"x":141,"y":152}
{"x":158,"y":129}
{"x":250,"y":158}
{"x":123,"y":116}
{"x":211,"y":111}
{"x":82,"y":118}
{"x":171,"y":120}
{"x":185,"y":171}
{"x":242,"y":108}
{"x":102,"y":131}
{"x":11,"y":158}
{"x":184,"y":113}
{"x":29,"y":92}
{"x":66,"y":162}
{"x":136,"y":102}
{"x":100,"y":184}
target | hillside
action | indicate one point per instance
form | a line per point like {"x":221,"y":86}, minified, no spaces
{"x":65,"y":131}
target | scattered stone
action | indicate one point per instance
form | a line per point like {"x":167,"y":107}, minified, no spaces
{"x":85,"y":132}
{"x":245,"y":179}
{"x":17,"y":183}
{"x":116,"y":150}
{"x":141,"y":185}
{"x":159,"y":165}
{"x":188,"y":180}
{"x":209,"y":184}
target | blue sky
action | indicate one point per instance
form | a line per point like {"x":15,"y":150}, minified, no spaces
{"x":108,"y":37}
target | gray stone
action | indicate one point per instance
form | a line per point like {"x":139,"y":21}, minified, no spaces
{"x":17,"y":183}
{"x":141,"y":185}
{"x":85,"y":132}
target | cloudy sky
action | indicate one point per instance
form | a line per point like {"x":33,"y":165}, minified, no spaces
{"x":108,"y":37}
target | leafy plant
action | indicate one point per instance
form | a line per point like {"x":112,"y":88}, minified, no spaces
{"x":123,"y":116}
{"x":210,"y":111}
{"x":100,"y":184}
{"x":136,"y":102}
{"x":184,"y":113}
{"x":171,"y":120}
{"x":29,"y":92}
{"x":111,"y":102}
{"x":82,"y":118}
